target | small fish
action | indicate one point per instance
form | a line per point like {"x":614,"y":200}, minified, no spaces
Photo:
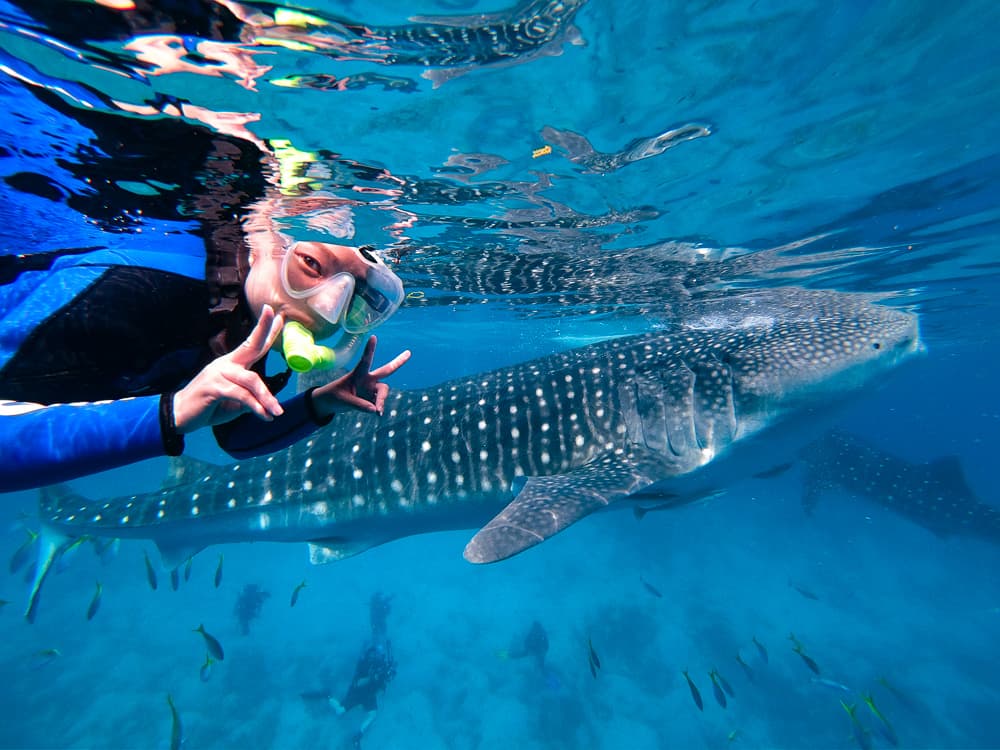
{"x":22,"y":555}
{"x":187,"y":569}
{"x":176,"y":731}
{"x":45,"y":656}
{"x":861,"y":735}
{"x":803,"y":591}
{"x":295,"y":593}
{"x":725,"y":684}
{"x":95,"y":603}
{"x":592,"y":658}
{"x":175,"y":579}
{"x":695,"y":693}
{"x":733,"y":735}
{"x":651,"y":588}
{"x":218,"y":572}
{"x":885,"y":728}
{"x":214,"y":647}
{"x":760,"y":649}
{"x":720,"y":695}
{"x":797,"y":648}
{"x":746,"y":668}
{"x":150,"y":573}
{"x":205,"y":673}
{"x":106,"y":549}
{"x":831,"y":684}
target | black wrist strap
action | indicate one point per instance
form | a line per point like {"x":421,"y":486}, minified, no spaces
{"x":173,"y":441}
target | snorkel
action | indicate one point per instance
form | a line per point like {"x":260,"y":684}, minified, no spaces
{"x":303,"y":354}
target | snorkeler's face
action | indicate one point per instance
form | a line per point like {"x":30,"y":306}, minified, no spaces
{"x":284,"y":282}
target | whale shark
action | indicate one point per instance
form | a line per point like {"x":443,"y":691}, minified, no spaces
{"x":523,"y":452}
{"x":934,"y":494}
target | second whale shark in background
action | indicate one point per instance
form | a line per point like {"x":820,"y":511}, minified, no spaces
{"x":733,"y":384}
{"x":934,"y":495}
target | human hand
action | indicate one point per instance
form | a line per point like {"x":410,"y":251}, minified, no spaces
{"x":227,"y":387}
{"x":360,"y":388}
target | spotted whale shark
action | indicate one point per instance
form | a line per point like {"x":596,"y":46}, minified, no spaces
{"x":530,"y":449}
{"x":934,"y":494}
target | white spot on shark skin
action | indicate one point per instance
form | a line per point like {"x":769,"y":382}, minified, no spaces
{"x":483,"y":455}
{"x":358,"y":473}
{"x":264,"y":521}
{"x":455,"y":431}
{"x":160,"y":513}
{"x":309,"y":462}
{"x":392,"y":433}
{"x":481,"y":425}
{"x":427,"y":420}
{"x":267,"y":474}
{"x":231,"y":485}
{"x":391,"y":453}
{"x":545,"y":457}
{"x":546,"y":427}
{"x":424,"y":398}
{"x":456,"y":457}
{"x":307,"y":485}
{"x":425,"y":446}
{"x":432,"y":477}
{"x":357,"y":501}
{"x":460,"y":480}
{"x":232,"y":502}
{"x":97,"y":517}
{"x":396,"y":486}
{"x":194,"y":510}
{"x":236,"y":467}
{"x":267,"y":498}
{"x":513,"y":410}
{"x":579,"y":441}
{"x":355,"y":448}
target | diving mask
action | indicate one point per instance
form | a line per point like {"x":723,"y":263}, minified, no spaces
{"x":339,"y":297}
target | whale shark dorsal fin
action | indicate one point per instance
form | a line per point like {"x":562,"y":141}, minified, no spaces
{"x":948,"y":471}
{"x":184,"y":469}
{"x":547,"y":505}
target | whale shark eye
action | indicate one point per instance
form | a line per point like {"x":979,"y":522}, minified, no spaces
{"x":876,"y":346}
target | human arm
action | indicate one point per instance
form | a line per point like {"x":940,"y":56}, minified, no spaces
{"x":48,"y":444}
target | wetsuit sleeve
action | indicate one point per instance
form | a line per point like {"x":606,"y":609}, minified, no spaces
{"x":42,"y":445}
{"x":248,"y":436}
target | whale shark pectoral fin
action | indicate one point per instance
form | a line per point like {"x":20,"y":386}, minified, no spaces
{"x":547,"y":505}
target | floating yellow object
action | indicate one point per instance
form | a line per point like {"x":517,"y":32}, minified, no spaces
{"x":543,"y":151}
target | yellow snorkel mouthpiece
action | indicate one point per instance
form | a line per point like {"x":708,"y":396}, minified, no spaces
{"x":301,"y":351}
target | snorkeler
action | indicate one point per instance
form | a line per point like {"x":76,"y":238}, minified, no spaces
{"x":112,"y":354}
{"x":373,"y":672}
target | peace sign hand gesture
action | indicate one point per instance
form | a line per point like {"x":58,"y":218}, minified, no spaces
{"x":227,"y":387}
{"x":360,"y":388}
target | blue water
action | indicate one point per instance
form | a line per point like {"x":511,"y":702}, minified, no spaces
{"x":868,"y":128}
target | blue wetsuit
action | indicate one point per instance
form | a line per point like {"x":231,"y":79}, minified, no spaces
{"x":86,"y":350}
